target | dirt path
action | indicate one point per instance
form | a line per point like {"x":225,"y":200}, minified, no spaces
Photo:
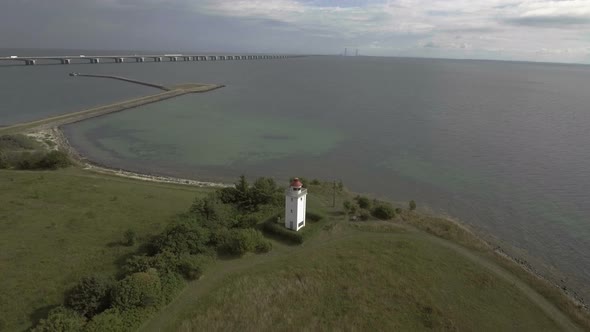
{"x":174,"y":312}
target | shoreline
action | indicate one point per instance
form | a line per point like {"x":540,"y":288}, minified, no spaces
{"x":60,"y":141}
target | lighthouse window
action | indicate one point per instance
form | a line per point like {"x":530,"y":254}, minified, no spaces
{"x":291,"y":211}
{"x":291,"y":199}
{"x":301,"y":198}
{"x":300,"y":224}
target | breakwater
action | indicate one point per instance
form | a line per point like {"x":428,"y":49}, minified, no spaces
{"x":124,"y":79}
{"x":61,"y":120}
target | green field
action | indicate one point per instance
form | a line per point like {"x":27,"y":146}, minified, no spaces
{"x":57,"y":226}
{"x":367,"y":281}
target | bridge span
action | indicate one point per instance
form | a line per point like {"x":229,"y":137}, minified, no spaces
{"x":93,"y":59}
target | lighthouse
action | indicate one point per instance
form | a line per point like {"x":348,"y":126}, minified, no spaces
{"x":295,"y":201}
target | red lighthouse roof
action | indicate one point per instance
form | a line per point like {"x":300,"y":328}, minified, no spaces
{"x":296,"y":183}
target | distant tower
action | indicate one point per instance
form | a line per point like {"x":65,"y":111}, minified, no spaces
{"x":357,"y":52}
{"x":295,"y":205}
{"x":345,"y":51}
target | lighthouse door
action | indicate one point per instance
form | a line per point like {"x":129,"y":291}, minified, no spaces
{"x":291,"y":225}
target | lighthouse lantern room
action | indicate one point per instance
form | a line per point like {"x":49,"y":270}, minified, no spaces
{"x":295,"y":205}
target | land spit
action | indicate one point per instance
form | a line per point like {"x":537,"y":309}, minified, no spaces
{"x":47,"y":131}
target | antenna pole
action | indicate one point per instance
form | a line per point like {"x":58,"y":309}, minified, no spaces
{"x":334,"y":195}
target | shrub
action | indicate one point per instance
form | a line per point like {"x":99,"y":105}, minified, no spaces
{"x":315,"y":182}
{"x":129,"y":237}
{"x":138,"y":263}
{"x":264,"y":247}
{"x":412,"y":205}
{"x":184,"y":237}
{"x":398,"y":210}
{"x":141,"y":289}
{"x":28,"y":160}
{"x":90,"y":296}
{"x":241,"y":241}
{"x":274,"y":228}
{"x":247,"y":221}
{"x":172,"y":283}
{"x":191,"y":266}
{"x":54,"y":160}
{"x":61,"y":319}
{"x":17,"y":142}
{"x":116,"y":320}
{"x":383,"y":211}
{"x":364,"y":215}
{"x":363,"y":202}
{"x":108,"y":321}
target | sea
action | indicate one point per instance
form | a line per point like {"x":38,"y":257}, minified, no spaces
{"x":503,"y":147}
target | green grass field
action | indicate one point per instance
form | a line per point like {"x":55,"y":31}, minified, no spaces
{"x":57,"y":226}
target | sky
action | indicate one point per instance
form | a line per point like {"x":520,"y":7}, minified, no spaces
{"x":526,"y":30}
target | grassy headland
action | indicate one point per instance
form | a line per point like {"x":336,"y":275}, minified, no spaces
{"x":59,"y":226}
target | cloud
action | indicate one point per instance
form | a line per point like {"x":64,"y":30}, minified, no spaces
{"x":555,"y":14}
{"x":457,"y":28}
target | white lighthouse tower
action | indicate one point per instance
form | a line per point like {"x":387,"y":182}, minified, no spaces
{"x":295,"y":202}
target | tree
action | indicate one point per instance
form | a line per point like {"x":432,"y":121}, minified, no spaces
{"x":61,"y":319}
{"x":141,"y":289}
{"x":383,"y":211}
{"x":90,"y":296}
{"x":265,"y":191}
{"x":242,"y":185}
{"x":207,"y":208}
{"x":412,"y":205}
{"x":129,"y":237}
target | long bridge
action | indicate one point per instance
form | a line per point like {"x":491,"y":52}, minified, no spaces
{"x":68,"y":59}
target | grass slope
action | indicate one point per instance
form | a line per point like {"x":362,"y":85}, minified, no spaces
{"x":58,"y":226}
{"x":366,"y":281}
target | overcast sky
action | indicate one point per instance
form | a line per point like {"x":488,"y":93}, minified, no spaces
{"x":536,"y":30}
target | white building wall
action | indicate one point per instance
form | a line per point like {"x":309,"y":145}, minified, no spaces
{"x":301,"y":212}
{"x":295,"y":208}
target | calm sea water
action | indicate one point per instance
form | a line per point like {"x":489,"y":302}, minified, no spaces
{"x":500,"y":146}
